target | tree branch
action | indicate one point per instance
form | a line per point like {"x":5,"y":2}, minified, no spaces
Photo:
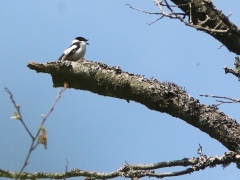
{"x":137,"y":171}
{"x":202,"y":15}
{"x":205,"y":8}
{"x":165,"y":97}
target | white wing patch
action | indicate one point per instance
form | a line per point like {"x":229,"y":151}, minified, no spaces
{"x":70,"y":49}
{"x":75,"y":52}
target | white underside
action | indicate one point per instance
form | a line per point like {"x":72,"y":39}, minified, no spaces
{"x":80,"y":53}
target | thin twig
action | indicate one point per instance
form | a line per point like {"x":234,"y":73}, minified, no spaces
{"x":18,"y":111}
{"x":143,"y":10}
{"x":231,"y":100}
{"x":33,"y":145}
{"x":180,"y":16}
{"x":34,"y":138}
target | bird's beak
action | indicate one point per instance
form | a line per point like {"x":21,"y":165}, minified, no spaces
{"x":87,"y":42}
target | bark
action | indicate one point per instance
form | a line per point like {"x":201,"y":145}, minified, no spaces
{"x":165,"y":97}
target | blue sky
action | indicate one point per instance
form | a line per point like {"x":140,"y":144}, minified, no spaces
{"x":100,"y":133}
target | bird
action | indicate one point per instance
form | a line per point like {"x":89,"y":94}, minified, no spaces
{"x":76,"y":51}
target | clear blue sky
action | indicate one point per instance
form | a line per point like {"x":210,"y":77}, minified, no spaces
{"x":100,"y":133}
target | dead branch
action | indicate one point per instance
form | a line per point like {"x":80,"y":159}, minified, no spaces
{"x":164,"y":97}
{"x":138,"y":170}
{"x":202,"y":15}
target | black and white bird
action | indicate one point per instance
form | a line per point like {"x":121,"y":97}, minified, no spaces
{"x":76,"y":51}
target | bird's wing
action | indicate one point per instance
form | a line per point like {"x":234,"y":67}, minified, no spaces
{"x":69,"y":51}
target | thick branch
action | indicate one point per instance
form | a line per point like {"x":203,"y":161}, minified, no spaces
{"x":164,"y":97}
{"x":198,"y":10}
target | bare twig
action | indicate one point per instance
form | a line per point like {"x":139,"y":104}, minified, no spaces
{"x":157,"y":13}
{"x":220,"y":46}
{"x":221,"y":97}
{"x":34,"y":142}
{"x":66,"y":170}
{"x":200,"y":152}
{"x":230,"y":14}
{"x":19,"y":116}
{"x":33,"y":145}
{"x":181,"y":16}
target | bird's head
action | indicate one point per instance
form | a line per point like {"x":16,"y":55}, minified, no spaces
{"x":78,"y":39}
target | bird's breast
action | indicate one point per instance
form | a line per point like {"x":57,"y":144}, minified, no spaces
{"x":79,"y":54}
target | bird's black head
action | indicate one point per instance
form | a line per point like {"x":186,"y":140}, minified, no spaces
{"x":81,"y":39}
